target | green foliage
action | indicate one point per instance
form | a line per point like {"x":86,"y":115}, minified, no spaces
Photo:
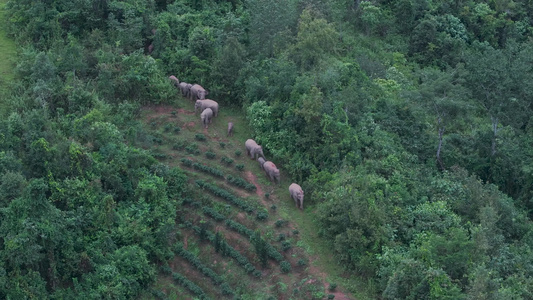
{"x":200,"y":137}
{"x":210,"y":155}
{"x":285,"y":266}
{"x":239,"y":167}
{"x":226,"y":160}
{"x":238,"y":153}
{"x":209,"y":170}
{"x":240,"y":182}
{"x":219,"y":192}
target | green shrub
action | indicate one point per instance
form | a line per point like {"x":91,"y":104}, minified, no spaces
{"x":285,"y":266}
{"x":279,"y":223}
{"x":153,"y":124}
{"x":273,"y":207}
{"x":301,"y":262}
{"x":331,"y":296}
{"x":332,"y":286}
{"x":210,"y":155}
{"x":239,"y":167}
{"x":281,"y":237}
{"x":295,"y":231}
{"x":186,"y":162}
{"x":200,"y":137}
{"x":285,"y":245}
{"x":213,"y":213}
{"x":226,"y":160}
{"x":174,"y":113}
{"x":208,"y":170}
{"x":179,"y":145}
{"x":262,"y":215}
{"x":267,"y":195}
{"x":222,"y":145}
{"x":240,"y":182}
{"x":158,"y":140}
{"x":193,"y":149}
{"x":177,"y":129}
{"x":238,"y":153}
{"x":167,"y":127}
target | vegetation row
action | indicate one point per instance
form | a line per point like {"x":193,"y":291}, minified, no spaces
{"x":222,"y":193}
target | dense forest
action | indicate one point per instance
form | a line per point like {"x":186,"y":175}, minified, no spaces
{"x":407,"y":124}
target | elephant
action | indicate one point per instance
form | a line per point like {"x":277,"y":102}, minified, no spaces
{"x":203,"y":104}
{"x":261,"y":162}
{"x":230,"y":129}
{"x":252,"y":148}
{"x":197,"y":92}
{"x":174,"y":80}
{"x":272,"y":171}
{"x":150,"y":48}
{"x":206,"y":117}
{"x":185,"y":89}
{"x":297,"y":194}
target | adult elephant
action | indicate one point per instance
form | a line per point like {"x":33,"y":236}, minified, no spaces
{"x":197,"y":92}
{"x":206,"y":103}
{"x":272,"y":171}
{"x":253,"y":149}
{"x":297,"y":194}
{"x":185,"y":89}
{"x":206,"y":117}
{"x":230,"y":129}
{"x":175,"y":81}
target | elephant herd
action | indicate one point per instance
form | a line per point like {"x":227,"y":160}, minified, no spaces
{"x":209,"y":109}
{"x":256,"y":152}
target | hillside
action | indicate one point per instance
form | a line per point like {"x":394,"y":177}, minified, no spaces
{"x":406,"y":123}
{"x":180,"y":140}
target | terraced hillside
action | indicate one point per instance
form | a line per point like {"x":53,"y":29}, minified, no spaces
{"x":237,"y":235}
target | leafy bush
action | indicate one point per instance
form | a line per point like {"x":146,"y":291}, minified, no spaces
{"x":281,"y":237}
{"x":273,"y":207}
{"x":179,"y":145}
{"x":301,"y":262}
{"x":280,"y":223}
{"x":177,"y":129}
{"x":174,"y":113}
{"x":222,"y":145}
{"x":186,"y":162}
{"x":238,"y":153}
{"x":200,"y":137}
{"x":226,"y":160}
{"x":239,"y":167}
{"x":219,"y":192}
{"x":167,"y":127}
{"x":213,"y":213}
{"x":195,"y":262}
{"x":193,"y":149}
{"x":210,"y":154}
{"x":331,"y":296}
{"x":240,"y":182}
{"x":285,"y":245}
{"x":208,"y":170}
{"x":267,"y":195}
{"x":332,"y":286}
{"x":262,"y":215}
{"x":191,"y":286}
{"x":285,"y":266}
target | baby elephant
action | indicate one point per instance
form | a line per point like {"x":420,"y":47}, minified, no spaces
{"x":230,"y":129}
{"x":297,"y":194}
{"x":206,"y":116}
{"x":261,"y":162}
{"x":253,"y":149}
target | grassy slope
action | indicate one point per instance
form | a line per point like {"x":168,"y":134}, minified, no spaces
{"x":7,"y":55}
{"x":322,"y":265}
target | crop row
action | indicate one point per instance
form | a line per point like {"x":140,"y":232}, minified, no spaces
{"x":271,"y":251}
{"x":227,"y":250}
{"x":239,"y":182}
{"x":191,"y":286}
{"x":219,"y":192}
{"x":213,"y":213}
{"x":191,"y":258}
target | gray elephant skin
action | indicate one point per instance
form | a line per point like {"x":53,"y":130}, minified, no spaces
{"x":297,"y":194}
{"x":207,"y":103}
{"x":230,"y":129}
{"x":174,"y":80}
{"x":253,"y":149}
{"x":206,"y":116}
{"x":185,"y":89}
{"x":261,"y":162}
{"x":197,"y":92}
{"x":272,"y":171}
